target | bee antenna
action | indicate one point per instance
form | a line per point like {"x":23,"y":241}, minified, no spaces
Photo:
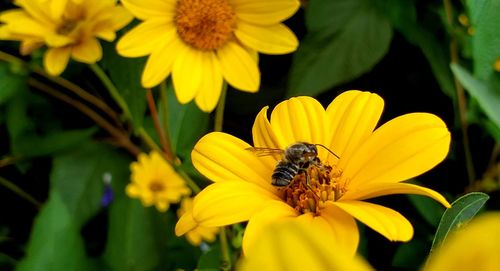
{"x":321,"y":145}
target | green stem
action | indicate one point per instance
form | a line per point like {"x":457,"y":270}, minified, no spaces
{"x":226,"y":256}
{"x":219,"y":111}
{"x":164,"y":113}
{"x":18,"y":191}
{"x":113,"y":91}
{"x":148,"y":140}
{"x":194,"y":187}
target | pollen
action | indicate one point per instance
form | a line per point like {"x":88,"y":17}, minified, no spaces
{"x":205,"y":24}
{"x":309,"y":192}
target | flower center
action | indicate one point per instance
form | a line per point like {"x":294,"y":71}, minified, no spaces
{"x":156,"y":186}
{"x":324,"y":185}
{"x":66,"y":27}
{"x":205,"y":24}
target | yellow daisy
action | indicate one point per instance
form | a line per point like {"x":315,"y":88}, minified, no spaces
{"x":155,"y":182}
{"x":202,"y":42}
{"x":372,"y":163}
{"x":69,"y":28}
{"x":290,"y":245}
{"x":200,"y":233}
{"x":474,"y":246}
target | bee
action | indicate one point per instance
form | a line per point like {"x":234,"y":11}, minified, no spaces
{"x":296,"y":158}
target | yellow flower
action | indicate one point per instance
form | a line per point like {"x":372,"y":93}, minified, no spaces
{"x":290,"y":245}
{"x":372,"y":163}
{"x":202,"y":42}
{"x":200,"y":233}
{"x":155,"y":182}
{"x":69,"y":28}
{"x":474,"y":246}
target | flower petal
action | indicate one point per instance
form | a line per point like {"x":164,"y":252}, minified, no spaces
{"x":265,"y":12}
{"x":55,"y":60}
{"x":352,"y":116}
{"x":160,"y":62}
{"x":274,"y":39}
{"x":188,"y":73}
{"x":381,"y":189}
{"x":211,"y":84}
{"x":263,"y":136}
{"x":144,"y":38}
{"x":344,"y":228}
{"x":400,"y":149}
{"x":273,"y":211}
{"x":185,"y":224}
{"x":222,"y":157}
{"x":383,"y":220}
{"x":299,"y":119}
{"x":36,"y":10}
{"x":19,"y":22}
{"x":147,"y":9}
{"x":88,"y":51}
{"x":227,"y":203}
{"x":238,"y":67}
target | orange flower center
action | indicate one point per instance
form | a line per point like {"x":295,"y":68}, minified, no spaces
{"x":324,"y":185}
{"x":205,"y":24}
{"x":66,"y":27}
{"x":156,"y":186}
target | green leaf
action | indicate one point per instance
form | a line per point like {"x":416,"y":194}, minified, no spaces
{"x":211,"y":260}
{"x":428,"y":208}
{"x":403,"y":17}
{"x":10,"y":83}
{"x":461,"y":211}
{"x":126,"y":75}
{"x":55,"y":242}
{"x":409,"y":255}
{"x":345,"y":40}
{"x":186,"y":124}
{"x":486,"y":93}
{"x":485,"y":41}
{"x":78,"y":177}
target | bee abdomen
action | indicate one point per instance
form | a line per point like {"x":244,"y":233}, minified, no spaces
{"x":284,"y":173}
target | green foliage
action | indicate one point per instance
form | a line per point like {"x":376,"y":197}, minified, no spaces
{"x":340,"y":47}
{"x":462,"y":210}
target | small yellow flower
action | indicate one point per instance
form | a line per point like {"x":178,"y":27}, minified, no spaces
{"x":69,"y":28}
{"x":155,"y":182}
{"x":372,"y":163}
{"x":202,"y":42}
{"x":290,"y":245}
{"x":474,"y":246}
{"x":200,"y":233}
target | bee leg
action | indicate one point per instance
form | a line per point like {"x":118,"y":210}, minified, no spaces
{"x":308,"y":178}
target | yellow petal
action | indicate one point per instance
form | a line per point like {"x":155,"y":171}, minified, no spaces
{"x":274,"y":39}
{"x":36,"y":10}
{"x":55,"y":60}
{"x":272,"y":212}
{"x":160,"y":62}
{"x":185,"y":224}
{"x":222,"y":157}
{"x":211,"y":84}
{"x":225,"y":203}
{"x":144,"y":38}
{"x":189,"y":71}
{"x":147,"y":9}
{"x":382,"y":189}
{"x":89,"y":51}
{"x":400,"y":149}
{"x":299,"y":119}
{"x":121,"y":17}
{"x":57,"y":8}
{"x":344,"y":228}
{"x":352,"y":117}
{"x":19,"y":22}
{"x":265,"y":12}
{"x":238,"y":67}
{"x":263,"y":136}
{"x":474,"y":246}
{"x":383,"y":220}
{"x":292,"y":245}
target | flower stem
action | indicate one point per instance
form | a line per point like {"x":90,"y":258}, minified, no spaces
{"x":122,"y":139}
{"x":462,"y":104}
{"x":219,"y":111}
{"x":113,"y":91}
{"x":164,"y":113}
{"x":64,"y":83}
{"x":194,"y":187}
{"x":163,"y":139}
{"x":226,"y":256}
{"x":18,"y":191}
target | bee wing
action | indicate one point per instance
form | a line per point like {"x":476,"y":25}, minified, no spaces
{"x":262,"y":151}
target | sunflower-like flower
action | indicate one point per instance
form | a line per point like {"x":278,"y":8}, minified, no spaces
{"x":155,"y":182}
{"x":69,"y":28}
{"x":203,"y":42}
{"x":474,"y":246}
{"x":200,"y":233}
{"x":290,"y":245}
{"x":331,"y":194}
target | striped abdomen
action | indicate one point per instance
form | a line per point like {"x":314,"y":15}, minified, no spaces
{"x":284,"y":173}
